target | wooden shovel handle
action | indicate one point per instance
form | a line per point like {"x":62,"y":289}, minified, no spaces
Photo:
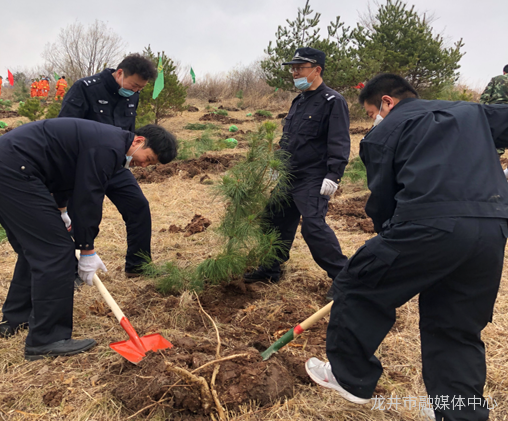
{"x":318,"y":315}
{"x":106,"y":295}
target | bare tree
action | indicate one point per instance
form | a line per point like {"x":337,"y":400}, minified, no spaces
{"x":83,"y":51}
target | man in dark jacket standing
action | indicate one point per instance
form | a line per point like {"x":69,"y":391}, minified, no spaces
{"x":111,"y":97}
{"x":61,"y":156}
{"x":439,"y":202}
{"x":316,"y":136}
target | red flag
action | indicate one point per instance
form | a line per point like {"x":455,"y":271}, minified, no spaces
{"x":10,"y":77}
{"x":359,"y":86}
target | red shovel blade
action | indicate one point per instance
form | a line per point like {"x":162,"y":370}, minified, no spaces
{"x":135,"y":348}
{"x":130,"y":351}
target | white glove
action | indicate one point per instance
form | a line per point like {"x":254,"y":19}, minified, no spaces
{"x":506,"y":173}
{"x":87,"y":266}
{"x":67,"y":220}
{"x":274,"y":175}
{"x":328,"y":187}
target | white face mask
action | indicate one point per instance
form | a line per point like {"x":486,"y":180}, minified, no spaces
{"x":379,"y":118}
{"x":128,"y":158}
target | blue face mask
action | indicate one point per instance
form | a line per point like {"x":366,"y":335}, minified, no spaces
{"x":125,"y":92}
{"x":302,"y":84}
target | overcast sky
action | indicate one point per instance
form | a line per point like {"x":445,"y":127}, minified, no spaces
{"x":215,"y":35}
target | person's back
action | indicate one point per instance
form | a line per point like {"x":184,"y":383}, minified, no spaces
{"x":448,"y":166}
{"x":496,"y":91}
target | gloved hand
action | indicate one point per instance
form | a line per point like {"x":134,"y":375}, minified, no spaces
{"x":274,"y":175}
{"x":506,"y":173}
{"x":87,"y":266}
{"x":328,"y":187}
{"x":67,"y":219}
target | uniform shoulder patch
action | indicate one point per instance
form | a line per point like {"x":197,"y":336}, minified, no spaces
{"x":91,"y":80}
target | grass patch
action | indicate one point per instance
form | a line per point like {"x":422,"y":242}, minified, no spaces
{"x":221,"y":112}
{"x":200,"y":126}
{"x":208,"y":141}
{"x":263,"y":113}
{"x":3,"y":235}
{"x":356,"y":171}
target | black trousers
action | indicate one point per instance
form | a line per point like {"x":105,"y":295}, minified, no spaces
{"x":42,"y":287}
{"x":456,"y":269}
{"x":305,"y":201}
{"x":124,"y":191}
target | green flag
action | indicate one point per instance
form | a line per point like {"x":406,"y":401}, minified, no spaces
{"x":159,"y":82}
{"x":56,"y":76}
{"x":193,"y":75}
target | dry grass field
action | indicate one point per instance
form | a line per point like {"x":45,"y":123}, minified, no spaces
{"x":101,"y":386}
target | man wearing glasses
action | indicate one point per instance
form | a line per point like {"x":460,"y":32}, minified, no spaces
{"x":111,"y":97}
{"x":316,"y":135}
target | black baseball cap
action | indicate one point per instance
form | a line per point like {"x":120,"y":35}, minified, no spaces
{"x":308,"y":55}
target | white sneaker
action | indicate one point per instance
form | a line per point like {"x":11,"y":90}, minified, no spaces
{"x":321,"y":373}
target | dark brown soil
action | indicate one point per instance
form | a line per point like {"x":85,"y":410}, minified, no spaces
{"x":8,"y":114}
{"x":190,"y":168}
{"x":228,"y":108}
{"x":53,"y":398}
{"x":358,"y":130}
{"x":351,"y":212}
{"x":192,"y":109}
{"x":246,"y":328}
{"x":224,"y":119}
{"x":197,"y":224}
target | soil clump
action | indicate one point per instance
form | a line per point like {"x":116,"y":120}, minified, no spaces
{"x":224,"y":119}
{"x":352,"y":213}
{"x":188,"y":169}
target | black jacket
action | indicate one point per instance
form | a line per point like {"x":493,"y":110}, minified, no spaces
{"x":70,"y":156}
{"x":96,"y":98}
{"x":316,"y":134}
{"x":434,"y":159}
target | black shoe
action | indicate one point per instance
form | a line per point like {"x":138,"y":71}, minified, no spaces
{"x":62,"y":348}
{"x":260,"y":276}
{"x":329,"y":294}
{"x":6,"y":330}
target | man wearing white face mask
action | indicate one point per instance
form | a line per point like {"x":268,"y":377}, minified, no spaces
{"x":111,"y":97}
{"x":439,"y":203}
{"x":316,"y":135}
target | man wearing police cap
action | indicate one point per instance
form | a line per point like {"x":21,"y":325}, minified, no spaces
{"x":316,"y":135}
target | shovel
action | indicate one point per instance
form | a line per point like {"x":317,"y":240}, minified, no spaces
{"x":297,"y":330}
{"x":135,"y":348}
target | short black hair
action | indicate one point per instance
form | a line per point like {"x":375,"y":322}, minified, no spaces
{"x":320,"y":65}
{"x":505,"y":69}
{"x":386,"y":84}
{"x":136,"y":64}
{"x":162,"y":142}
{"x":63,"y":77}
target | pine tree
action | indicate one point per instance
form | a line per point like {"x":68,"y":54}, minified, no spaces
{"x":247,"y":189}
{"x":171,"y":98}
{"x":31,"y":109}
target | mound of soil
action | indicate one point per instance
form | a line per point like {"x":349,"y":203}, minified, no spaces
{"x":197,"y":224}
{"x":192,"y":109}
{"x":228,"y":108}
{"x":8,"y":114}
{"x":352,"y":213}
{"x":191,"y":167}
{"x":238,"y":382}
{"x":224,"y":119}
{"x":358,"y":130}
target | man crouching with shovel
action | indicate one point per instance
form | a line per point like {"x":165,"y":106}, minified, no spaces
{"x":60,"y":156}
{"x":439,"y":202}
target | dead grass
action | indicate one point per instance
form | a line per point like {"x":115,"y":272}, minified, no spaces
{"x":86,"y":381}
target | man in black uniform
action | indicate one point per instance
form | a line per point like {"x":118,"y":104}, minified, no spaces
{"x":62,"y":156}
{"x":316,"y":135}
{"x":439,"y":201}
{"x":111,"y":97}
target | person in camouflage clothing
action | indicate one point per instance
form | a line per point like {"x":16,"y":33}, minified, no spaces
{"x":496,"y":92}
